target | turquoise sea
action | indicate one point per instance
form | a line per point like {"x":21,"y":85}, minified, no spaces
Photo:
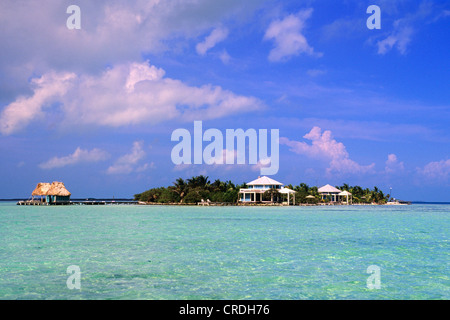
{"x":177,"y":252}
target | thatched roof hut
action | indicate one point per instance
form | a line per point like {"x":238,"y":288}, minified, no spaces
{"x":54,"y":189}
{"x":58,"y":189}
{"x":41,"y":189}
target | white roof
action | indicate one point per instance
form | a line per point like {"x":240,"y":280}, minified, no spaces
{"x":264,"y":181}
{"x":329,"y":189}
{"x":286,"y":190}
{"x":345,"y":193}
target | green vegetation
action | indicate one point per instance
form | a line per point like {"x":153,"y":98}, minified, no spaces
{"x":361,"y":195}
{"x":195,"y":189}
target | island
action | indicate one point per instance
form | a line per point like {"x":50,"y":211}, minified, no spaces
{"x":199,"y":190}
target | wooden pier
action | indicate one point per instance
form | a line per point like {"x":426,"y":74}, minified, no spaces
{"x":32,"y":203}
{"x":77,"y":203}
{"x":102,"y":202}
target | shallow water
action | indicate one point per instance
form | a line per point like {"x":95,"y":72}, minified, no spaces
{"x":177,"y":252}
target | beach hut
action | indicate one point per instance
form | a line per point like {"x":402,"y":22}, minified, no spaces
{"x":288,"y":192}
{"x":329,"y":192}
{"x":57,"y":194}
{"x":256,"y":189}
{"x":41,"y":191}
{"x":347,"y":196}
{"x":310,"y":198}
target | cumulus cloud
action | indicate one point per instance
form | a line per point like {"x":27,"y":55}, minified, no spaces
{"x":131,"y":162}
{"x":79,"y":156}
{"x":46,"y":89}
{"x":141,"y":72}
{"x":436,"y":171}
{"x":393,"y":166}
{"x":130,"y":93}
{"x":324,"y":146}
{"x":111,"y":31}
{"x":216,"y":36}
{"x":288,"y":37}
{"x":35,"y":38}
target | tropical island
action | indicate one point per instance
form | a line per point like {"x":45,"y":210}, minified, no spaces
{"x":264,"y":190}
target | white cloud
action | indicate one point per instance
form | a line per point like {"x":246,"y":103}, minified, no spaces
{"x":399,"y":39}
{"x":288,"y":37}
{"x":18,"y":114}
{"x":142,"y":72}
{"x":111,"y":30}
{"x":146,"y":166}
{"x":393,"y":166}
{"x":404,"y":28}
{"x":216,"y":36}
{"x":263,"y":163}
{"x":438,"y":171}
{"x":131,"y":162}
{"x":35,"y":38}
{"x":323,"y":146}
{"x":130,"y":93}
{"x":79,"y":156}
{"x":225,"y":57}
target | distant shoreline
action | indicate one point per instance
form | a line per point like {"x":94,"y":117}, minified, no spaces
{"x":175,"y":204}
{"x":80,"y":199}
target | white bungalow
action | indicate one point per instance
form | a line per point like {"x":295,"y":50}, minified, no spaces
{"x":329,"y":192}
{"x":347,"y":195}
{"x":256,"y":189}
{"x":288,"y":192}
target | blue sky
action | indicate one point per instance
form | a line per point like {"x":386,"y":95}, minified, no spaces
{"x":96,"y":107}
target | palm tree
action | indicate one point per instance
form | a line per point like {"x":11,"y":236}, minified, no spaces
{"x":218,"y":185}
{"x":304,"y":188}
{"x":230,"y":185}
{"x":272,"y":193}
{"x":314,"y":191}
{"x":199,"y":181}
{"x":180,"y":187}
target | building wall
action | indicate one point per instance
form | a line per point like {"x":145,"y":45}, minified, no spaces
{"x":56,"y":199}
{"x":265,"y":187}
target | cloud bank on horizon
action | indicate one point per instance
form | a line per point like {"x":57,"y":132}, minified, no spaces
{"x":364,"y":106}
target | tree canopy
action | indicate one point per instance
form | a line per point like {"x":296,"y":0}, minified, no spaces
{"x":193,"y":190}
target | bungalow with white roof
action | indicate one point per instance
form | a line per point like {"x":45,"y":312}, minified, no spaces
{"x":329,"y":192}
{"x":334,"y":194}
{"x":256,"y":189}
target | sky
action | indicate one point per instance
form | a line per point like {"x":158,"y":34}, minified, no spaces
{"x":95,"y":105}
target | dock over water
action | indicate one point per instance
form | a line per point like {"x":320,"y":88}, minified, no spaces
{"x":77,"y":203}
